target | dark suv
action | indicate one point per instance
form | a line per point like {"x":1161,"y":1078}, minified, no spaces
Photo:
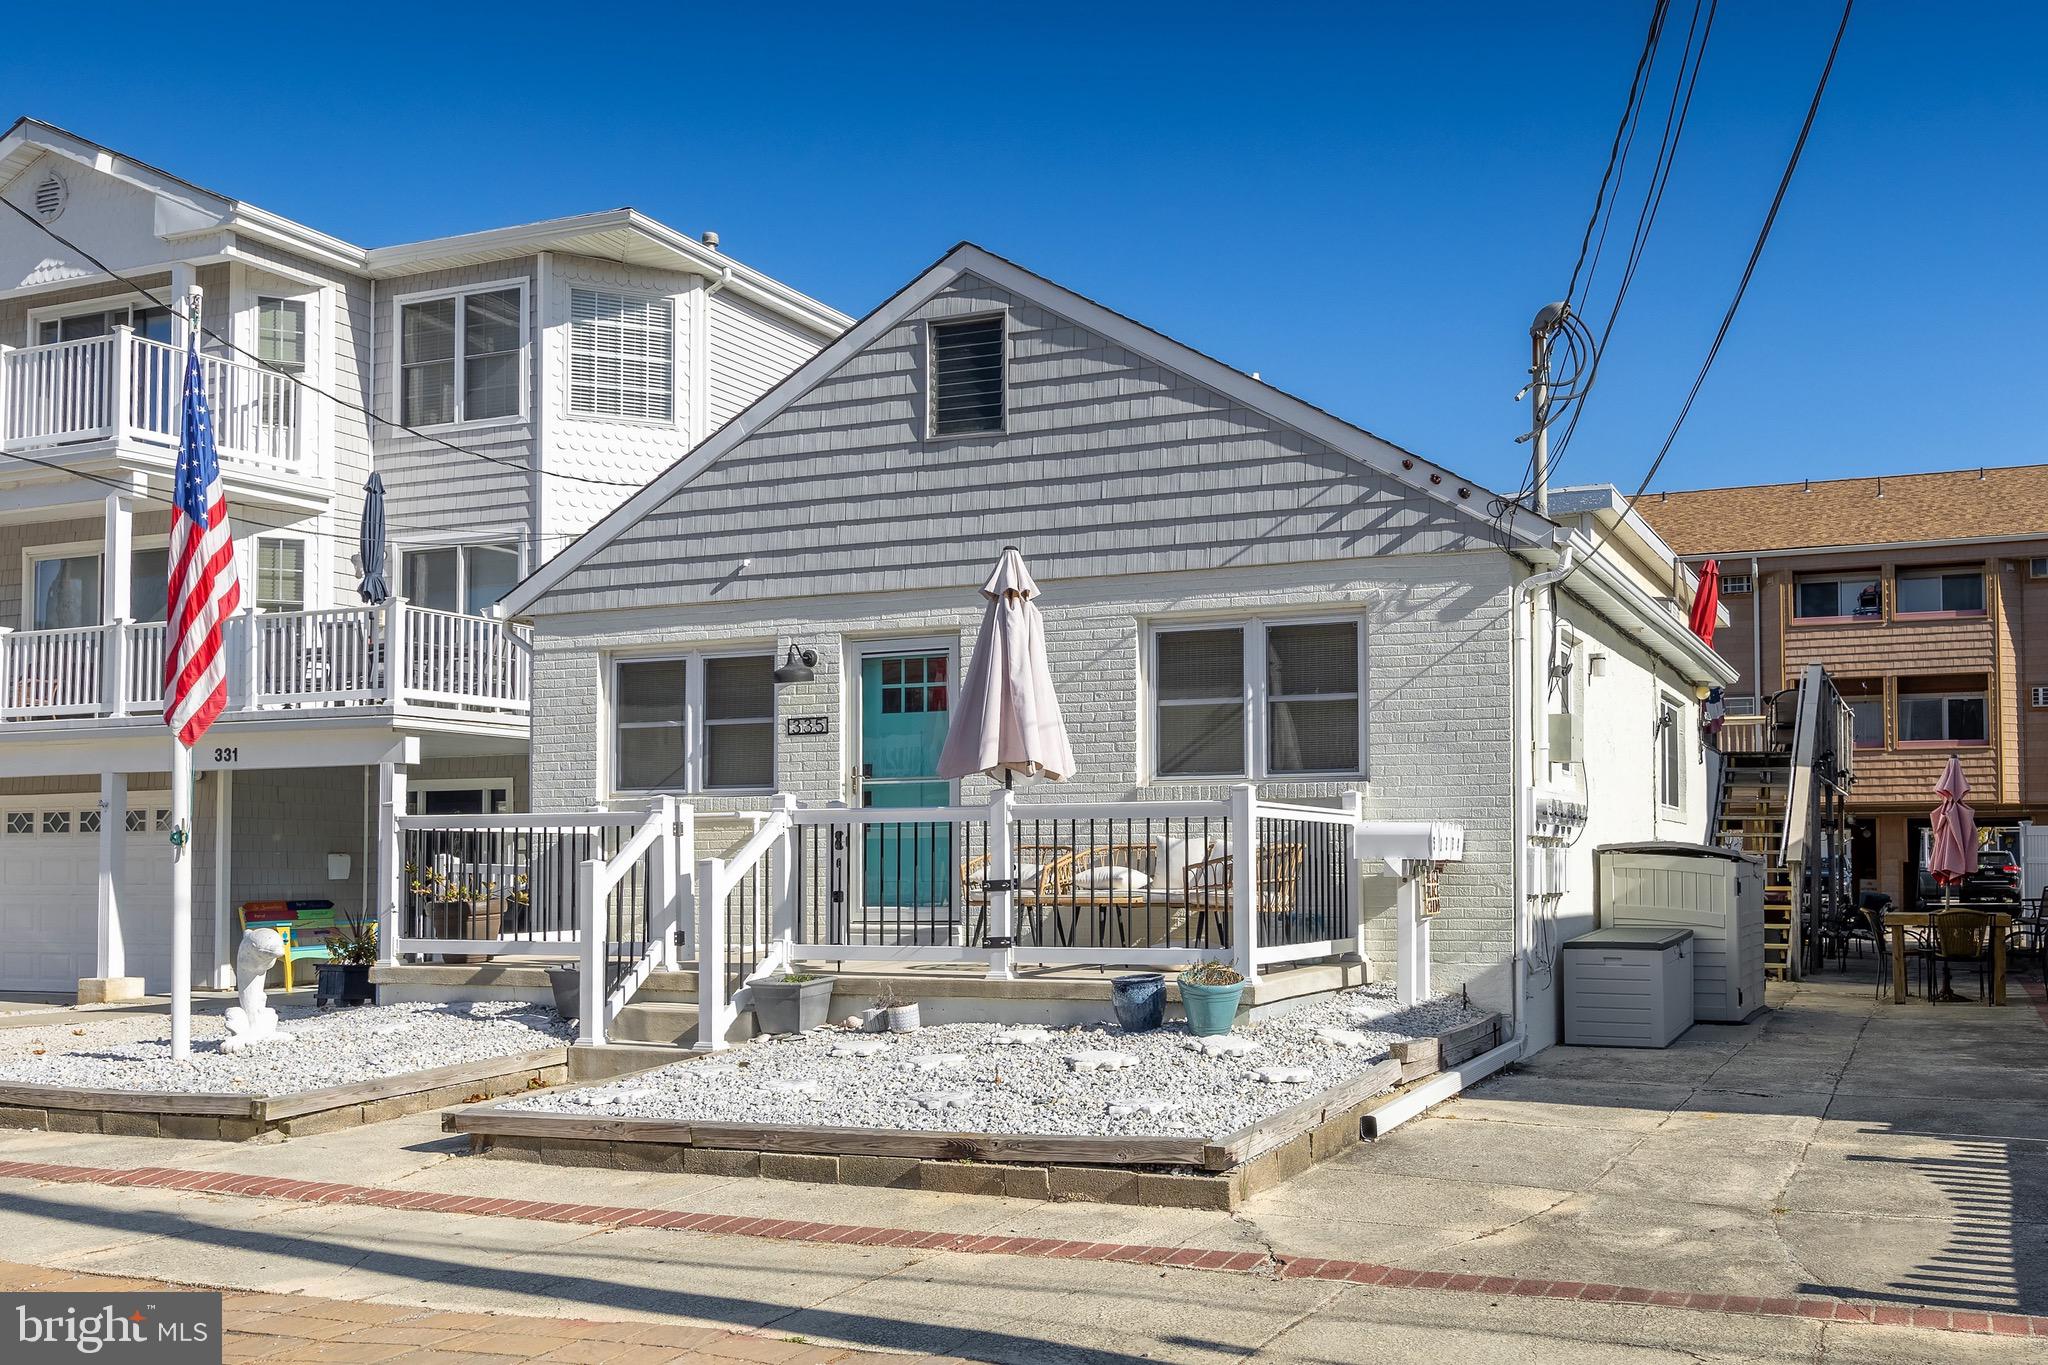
{"x":1997,"y":878}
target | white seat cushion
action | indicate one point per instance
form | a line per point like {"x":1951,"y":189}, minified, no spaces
{"x":1112,"y":878}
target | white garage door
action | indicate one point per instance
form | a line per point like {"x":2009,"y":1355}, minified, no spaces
{"x":49,"y":898}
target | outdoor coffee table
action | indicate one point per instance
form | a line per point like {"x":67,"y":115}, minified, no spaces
{"x":1897,"y":924}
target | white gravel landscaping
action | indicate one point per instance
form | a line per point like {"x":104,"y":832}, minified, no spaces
{"x":996,"y":1078}
{"x":335,"y":1047}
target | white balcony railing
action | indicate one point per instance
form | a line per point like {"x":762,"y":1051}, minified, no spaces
{"x":124,"y":388}
{"x":393,"y":654}
{"x":993,"y":886}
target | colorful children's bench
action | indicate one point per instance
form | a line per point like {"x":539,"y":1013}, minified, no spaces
{"x":304,"y":926}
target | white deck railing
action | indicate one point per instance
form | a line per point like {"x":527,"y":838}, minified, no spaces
{"x":1115,"y":884}
{"x":123,"y":388}
{"x":392,"y":654}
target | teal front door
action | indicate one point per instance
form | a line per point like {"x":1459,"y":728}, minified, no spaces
{"x":905,"y":708}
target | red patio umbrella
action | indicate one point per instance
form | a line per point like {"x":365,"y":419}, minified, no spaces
{"x":1706,"y":603}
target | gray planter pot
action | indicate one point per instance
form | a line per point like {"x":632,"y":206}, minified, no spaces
{"x":568,"y":987}
{"x":791,"y":1006}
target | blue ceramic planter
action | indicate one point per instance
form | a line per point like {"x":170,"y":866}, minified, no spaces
{"x":1139,"y":1001}
{"x":1210,"y":1009}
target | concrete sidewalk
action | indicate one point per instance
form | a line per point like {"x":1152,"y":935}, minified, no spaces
{"x":1835,"y":1153}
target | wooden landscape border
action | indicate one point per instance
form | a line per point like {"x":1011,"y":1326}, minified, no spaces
{"x":240,"y":1118}
{"x":1172,"y":1172}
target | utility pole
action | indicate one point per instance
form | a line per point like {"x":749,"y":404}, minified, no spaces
{"x":1541,"y":332}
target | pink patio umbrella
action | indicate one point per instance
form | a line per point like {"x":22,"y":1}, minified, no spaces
{"x":1006,"y":716}
{"x":1954,"y":855}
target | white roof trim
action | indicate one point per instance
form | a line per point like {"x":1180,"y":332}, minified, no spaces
{"x":1604,"y":584}
{"x":1413,"y":471}
{"x":690,"y":255}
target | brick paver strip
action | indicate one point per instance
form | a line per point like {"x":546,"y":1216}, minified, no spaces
{"x":1207,"y":1260}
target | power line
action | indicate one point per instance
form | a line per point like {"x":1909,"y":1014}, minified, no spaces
{"x":1614,"y":153}
{"x":198,"y":324}
{"x":1742,"y":286}
{"x":1684,"y":83}
{"x":131,"y":491}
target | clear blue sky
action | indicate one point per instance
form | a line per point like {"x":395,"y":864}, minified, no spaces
{"x":1366,"y":203}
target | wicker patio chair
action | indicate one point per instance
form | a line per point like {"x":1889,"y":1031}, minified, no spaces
{"x":1963,"y":936}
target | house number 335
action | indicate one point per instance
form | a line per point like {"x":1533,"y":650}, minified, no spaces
{"x":229,"y":755}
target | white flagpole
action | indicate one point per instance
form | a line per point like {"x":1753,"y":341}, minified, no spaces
{"x":181,"y":834}
{"x":181,"y":900}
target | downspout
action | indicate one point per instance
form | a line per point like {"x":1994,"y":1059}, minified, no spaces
{"x":1523,"y":669}
{"x":1756,"y":632}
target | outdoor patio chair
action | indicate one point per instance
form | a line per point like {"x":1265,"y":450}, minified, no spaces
{"x":2029,"y":933}
{"x":1962,"y":937}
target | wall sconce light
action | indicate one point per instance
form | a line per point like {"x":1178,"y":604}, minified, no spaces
{"x":797,"y":667}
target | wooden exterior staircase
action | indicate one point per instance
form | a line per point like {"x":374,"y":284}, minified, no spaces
{"x":1785,"y":776}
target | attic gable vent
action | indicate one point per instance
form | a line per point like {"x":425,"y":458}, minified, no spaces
{"x":50,"y":196}
{"x":967,"y":376}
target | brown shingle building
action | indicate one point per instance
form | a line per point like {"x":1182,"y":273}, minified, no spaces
{"x":1926,"y":597}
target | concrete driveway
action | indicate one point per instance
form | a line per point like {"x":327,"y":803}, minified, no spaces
{"x":1839,"y":1181}
{"x":1836,"y":1145}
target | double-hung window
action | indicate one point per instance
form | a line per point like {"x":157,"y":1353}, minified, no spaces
{"x":1943,"y":718}
{"x":459,"y":356}
{"x":694,"y":724}
{"x":461,"y":578}
{"x":281,"y":333}
{"x":1671,"y":742}
{"x":1259,"y":698}
{"x":280,"y":573}
{"x":1852,"y":596}
{"x":1941,"y":591}
{"x":621,"y":355}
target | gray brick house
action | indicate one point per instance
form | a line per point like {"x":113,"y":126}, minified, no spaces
{"x":1238,"y":588}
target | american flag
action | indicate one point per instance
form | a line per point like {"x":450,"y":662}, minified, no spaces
{"x":204,"y":590}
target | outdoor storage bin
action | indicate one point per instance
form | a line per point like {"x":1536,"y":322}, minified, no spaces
{"x":1628,"y":987}
{"x":1718,"y":893}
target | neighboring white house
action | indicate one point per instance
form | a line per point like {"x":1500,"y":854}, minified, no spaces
{"x":542,"y":373}
{"x":1238,"y":588}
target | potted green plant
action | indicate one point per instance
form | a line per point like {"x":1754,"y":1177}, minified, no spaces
{"x":1209,"y":993}
{"x":794,"y":1002}
{"x":344,"y":978}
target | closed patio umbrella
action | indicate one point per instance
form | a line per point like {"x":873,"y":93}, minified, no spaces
{"x":370,"y":542}
{"x":1706,"y":602}
{"x":1006,"y":716}
{"x":1954,"y":855}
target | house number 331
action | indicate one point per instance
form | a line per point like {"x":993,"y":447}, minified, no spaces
{"x":229,"y":755}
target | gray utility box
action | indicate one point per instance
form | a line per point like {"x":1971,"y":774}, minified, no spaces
{"x":1628,"y":987}
{"x":1718,"y":893}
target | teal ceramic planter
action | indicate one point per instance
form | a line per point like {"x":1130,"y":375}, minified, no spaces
{"x":1210,"y":1009}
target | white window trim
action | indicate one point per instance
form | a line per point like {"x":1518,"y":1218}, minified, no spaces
{"x":487,"y":785}
{"x":675,"y":356}
{"x":1254,"y":696}
{"x":1984,"y":698}
{"x":246,"y":560}
{"x":2039,"y":695}
{"x":510,"y":538}
{"x":75,"y":549}
{"x":52,"y":312}
{"x":1860,"y":580}
{"x":693,"y":722}
{"x":400,"y":302}
{"x":1678,"y":707}
{"x":929,"y":375}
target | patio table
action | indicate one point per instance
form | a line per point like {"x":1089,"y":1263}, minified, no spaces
{"x":1898,"y":923}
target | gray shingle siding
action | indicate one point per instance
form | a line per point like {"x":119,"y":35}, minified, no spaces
{"x":432,"y":491}
{"x":1107,"y":462}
